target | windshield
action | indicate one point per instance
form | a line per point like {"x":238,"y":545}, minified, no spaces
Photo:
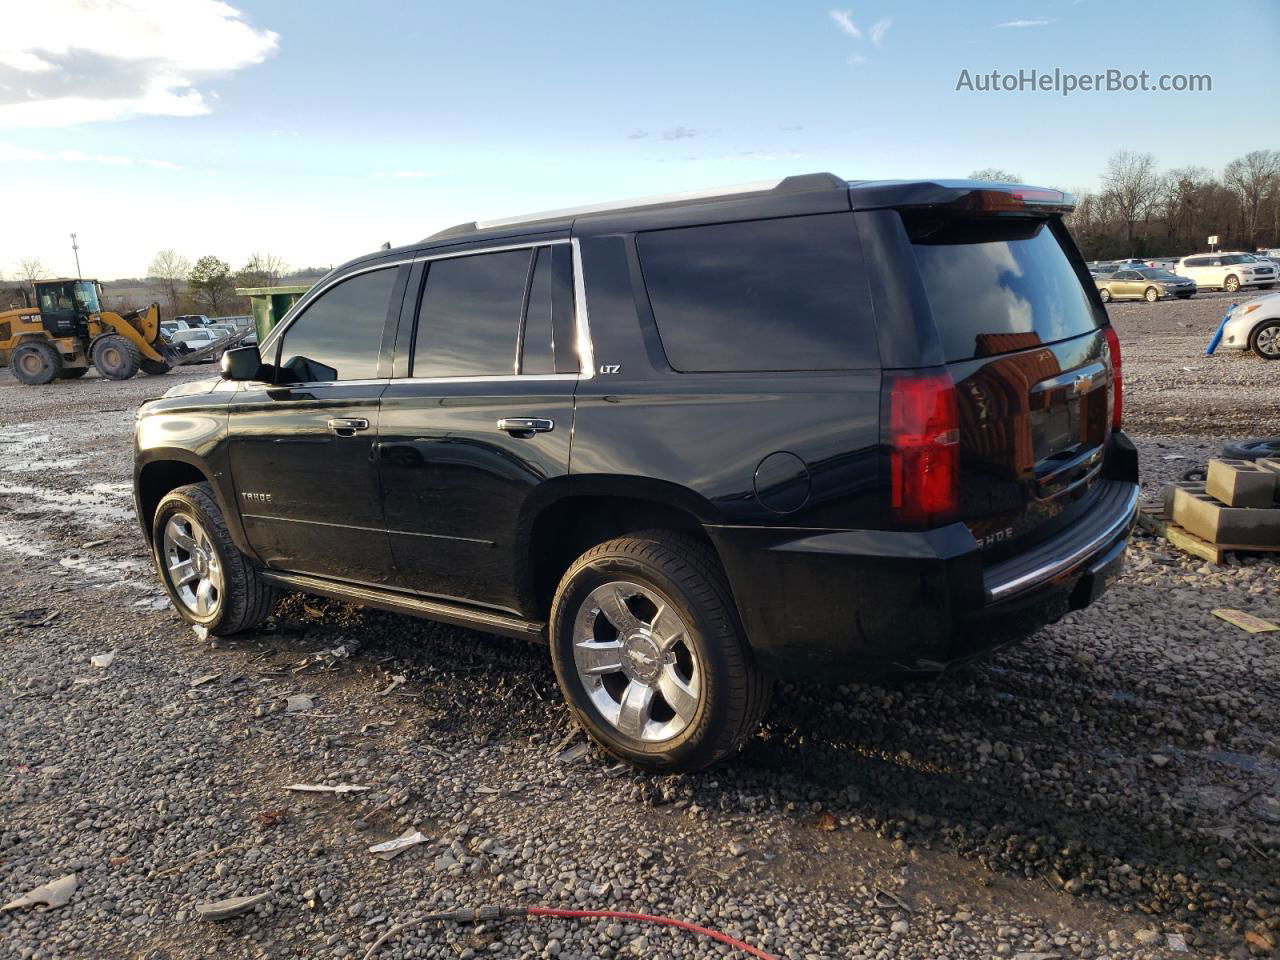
{"x":986,"y":279}
{"x":1237,"y":258}
{"x":86,"y":296}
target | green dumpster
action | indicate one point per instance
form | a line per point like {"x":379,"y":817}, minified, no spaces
{"x":270,"y":304}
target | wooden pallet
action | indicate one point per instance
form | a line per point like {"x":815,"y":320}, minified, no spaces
{"x":1152,"y":519}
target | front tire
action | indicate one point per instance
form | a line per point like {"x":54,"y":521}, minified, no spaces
{"x":1231,"y":284}
{"x":36,"y":362}
{"x":210,"y":582}
{"x":650,"y":656}
{"x":1265,"y":340}
{"x":1151,"y":295}
{"x":115,"y":357}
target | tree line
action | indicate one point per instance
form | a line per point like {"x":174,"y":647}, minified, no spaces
{"x":1140,"y":211}
{"x":206,"y":286}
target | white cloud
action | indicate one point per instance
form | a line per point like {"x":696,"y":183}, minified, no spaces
{"x":844,"y":20}
{"x":65,"y":62}
{"x":879,"y":29}
{"x":1034,"y":22}
{"x":14,"y":153}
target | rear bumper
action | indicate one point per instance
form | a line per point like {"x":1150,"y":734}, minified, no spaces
{"x":837,"y":605}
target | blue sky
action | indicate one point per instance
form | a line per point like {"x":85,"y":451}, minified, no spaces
{"x":316,"y":131}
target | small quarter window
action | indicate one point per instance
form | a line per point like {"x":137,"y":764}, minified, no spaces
{"x":537,"y":354}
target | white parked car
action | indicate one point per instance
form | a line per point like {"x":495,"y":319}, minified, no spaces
{"x":1254,"y":325}
{"x":1227,"y":271}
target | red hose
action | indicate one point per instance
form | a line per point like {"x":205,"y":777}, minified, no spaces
{"x":649,"y":918}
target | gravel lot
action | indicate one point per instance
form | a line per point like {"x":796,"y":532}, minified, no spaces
{"x":1110,"y":788}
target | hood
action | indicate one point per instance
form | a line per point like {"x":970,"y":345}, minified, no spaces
{"x":192,"y":388}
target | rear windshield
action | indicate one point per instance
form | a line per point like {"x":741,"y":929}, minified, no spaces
{"x":987,"y":279}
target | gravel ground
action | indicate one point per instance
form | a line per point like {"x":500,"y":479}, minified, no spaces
{"x":1109,"y":788}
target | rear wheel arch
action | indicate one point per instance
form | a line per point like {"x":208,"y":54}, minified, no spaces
{"x":570,"y":526}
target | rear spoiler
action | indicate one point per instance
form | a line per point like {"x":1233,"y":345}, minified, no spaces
{"x":962,"y":196}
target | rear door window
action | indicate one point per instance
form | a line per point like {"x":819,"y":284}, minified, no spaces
{"x":469,"y":320}
{"x":761,"y":295}
{"x":988,"y":278}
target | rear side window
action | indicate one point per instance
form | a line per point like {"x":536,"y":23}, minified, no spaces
{"x":763,"y":295}
{"x":339,"y":336}
{"x":470,"y":315}
{"x":987,"y":278}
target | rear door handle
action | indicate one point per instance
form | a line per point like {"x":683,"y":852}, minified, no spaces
{"x":347,"y":426}
{"x":525,"y":427}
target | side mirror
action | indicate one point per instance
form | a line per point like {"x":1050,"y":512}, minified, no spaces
{"x":242,"y":363}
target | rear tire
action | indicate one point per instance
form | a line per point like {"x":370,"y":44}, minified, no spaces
{"x":1265,"y":340}
{"x":115,"y":357}
{"x":36,"y":362}
{"x":650,"y":656}
{"x":1231,"y":284}
{"x":211,"y":583}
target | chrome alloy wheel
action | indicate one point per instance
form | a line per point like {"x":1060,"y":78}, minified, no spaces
{"x":636,"y":661}
{"x":192,"y":565}
{"x":1268,"y":341}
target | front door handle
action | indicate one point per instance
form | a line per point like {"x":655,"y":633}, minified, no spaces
{"x":347,"y":426}
{"x":525,"y":427}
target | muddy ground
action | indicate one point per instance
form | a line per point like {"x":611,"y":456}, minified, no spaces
{"x":1109,"y":788}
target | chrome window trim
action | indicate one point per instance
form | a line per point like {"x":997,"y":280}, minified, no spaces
{"x":586,"y":355}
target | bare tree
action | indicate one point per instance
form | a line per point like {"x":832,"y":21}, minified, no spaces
{"x":29,"y":271}
{"x":170,"y":269}
{"x":1131,"y":186}
{"x":1252,"y":178}
{"x":996,"y":175}
{"x":262,"y":270}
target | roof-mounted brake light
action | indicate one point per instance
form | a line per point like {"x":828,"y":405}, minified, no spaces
{"x":1013,"y":200}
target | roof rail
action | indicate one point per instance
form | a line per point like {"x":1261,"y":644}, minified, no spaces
{"x":795,"y":184}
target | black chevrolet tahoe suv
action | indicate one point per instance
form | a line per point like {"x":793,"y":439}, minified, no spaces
{"x":814,"y":429}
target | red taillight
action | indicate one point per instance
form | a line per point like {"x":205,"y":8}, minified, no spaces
{"x":922,"y":435}
{"x":1117,"y":376}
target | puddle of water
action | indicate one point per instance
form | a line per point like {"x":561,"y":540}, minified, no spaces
{"x":95,"y":505}
{"x":15,"y":543}
{"x":105,"y":573}
{"x":37,"y":465}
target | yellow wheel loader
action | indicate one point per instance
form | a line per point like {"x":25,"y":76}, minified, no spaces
{"x":67,"y":330}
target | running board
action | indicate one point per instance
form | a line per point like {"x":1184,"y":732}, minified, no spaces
{"x":452,"y":614}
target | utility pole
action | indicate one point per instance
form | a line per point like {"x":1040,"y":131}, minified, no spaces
{"x":76,"y":250}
